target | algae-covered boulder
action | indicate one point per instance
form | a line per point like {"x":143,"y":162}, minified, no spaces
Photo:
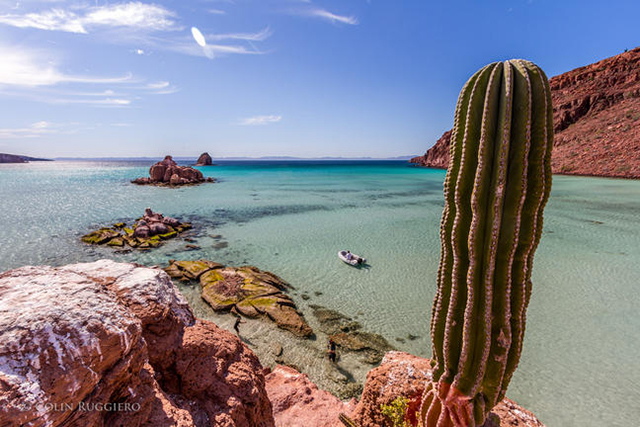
{"x":148,"y":232}
{"x":246,"y":290}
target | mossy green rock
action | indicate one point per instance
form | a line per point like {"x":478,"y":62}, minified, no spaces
{"x":247,"y":290}
{"x":190,"y":270}
{"x":116,"y":241}
{"x":100,"y":237}
{"x":120,"y":235}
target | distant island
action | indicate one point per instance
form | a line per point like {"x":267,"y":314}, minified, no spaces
{"x":14,"y":158}
{"x":596,"y":116}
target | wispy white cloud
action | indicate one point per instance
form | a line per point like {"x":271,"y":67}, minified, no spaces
{"x":216,"y":12}
{"x":30,"y":68}
{"x":158,"y":85}
{"x":259,"y":120}
{"x":258,"y":36}
{"x":31,"y":74}
{"x":332,"y":17}
{"x":108,"y":102}
{"x":134,"y":15}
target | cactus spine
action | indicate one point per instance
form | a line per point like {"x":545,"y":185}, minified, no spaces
{"x":497,"y":185}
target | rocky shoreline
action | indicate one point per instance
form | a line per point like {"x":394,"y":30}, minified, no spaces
{"x":124,"y":334}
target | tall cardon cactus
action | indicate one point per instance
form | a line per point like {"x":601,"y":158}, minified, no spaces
{"x":497,"y":185}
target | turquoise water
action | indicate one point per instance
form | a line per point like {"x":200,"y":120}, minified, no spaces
{"x":580,"y":363}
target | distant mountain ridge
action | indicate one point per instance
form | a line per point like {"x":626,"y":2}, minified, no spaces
{"x":14,"y":158}
{"x":596,"y":118}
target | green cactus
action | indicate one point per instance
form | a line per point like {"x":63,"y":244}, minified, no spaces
{"x":497,"y":185}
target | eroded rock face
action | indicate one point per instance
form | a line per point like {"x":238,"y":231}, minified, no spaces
{"x":76,"y":337}
{"x":596,"y":119}
{"x":204,"y":160}
{"x":402,"y":374}
{"x":298,"y":401}
{"x":245,"y":290}
{"x":168,"y":173}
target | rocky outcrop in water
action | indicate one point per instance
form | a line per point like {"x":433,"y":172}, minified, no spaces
{"x":243,"y":290}
{"x":204,"y":160}
{"x":148,"y":232}
{"x":596,"y":118}
{"x":168,"y":173}
{"x":402,"y":374}
{"x":115,"y":344}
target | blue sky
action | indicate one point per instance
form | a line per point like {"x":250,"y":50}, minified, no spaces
{"x":276,"y":77}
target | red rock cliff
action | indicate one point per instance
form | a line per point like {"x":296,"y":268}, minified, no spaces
{"x":596,"y":117}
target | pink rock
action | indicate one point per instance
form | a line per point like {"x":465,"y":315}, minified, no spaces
{"x":141,"y":181}
{"x":142,"y":230}
{"x":171,"y":221}
{"x":156,"y":173}
{"x":297,"y":401}
{"x":204,"y":160}
{"x":157,"y":228}
{"x":168,"y":161}
{"x":175,"y":179}
{"x":169,"y":172}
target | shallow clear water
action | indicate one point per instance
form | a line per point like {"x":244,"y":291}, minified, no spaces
{"x":580,"y":362}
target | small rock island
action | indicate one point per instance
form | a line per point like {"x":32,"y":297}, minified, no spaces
{"x":204,"y":160}
{"x":148,"y":232}
{"x":168,"y":173}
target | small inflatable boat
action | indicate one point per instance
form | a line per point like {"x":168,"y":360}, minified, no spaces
{"x":355,"y":259}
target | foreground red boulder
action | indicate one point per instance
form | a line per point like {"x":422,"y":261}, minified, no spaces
{"x":107,"y":343}
{"x":297,"y":401}
{"x":168,"y":173}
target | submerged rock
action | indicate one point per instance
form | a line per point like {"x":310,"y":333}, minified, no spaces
{"x":168,"y":173}
{"x":147,"y":232}
{"x":204,"y":160}
{"x":245,"y":290}
{"x":84,"y":335}
{"x":347,"y":334}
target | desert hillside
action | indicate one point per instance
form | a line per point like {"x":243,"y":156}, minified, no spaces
{"x":596,"y":117}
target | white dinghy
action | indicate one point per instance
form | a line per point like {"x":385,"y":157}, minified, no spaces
{"x":354,"y":259}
